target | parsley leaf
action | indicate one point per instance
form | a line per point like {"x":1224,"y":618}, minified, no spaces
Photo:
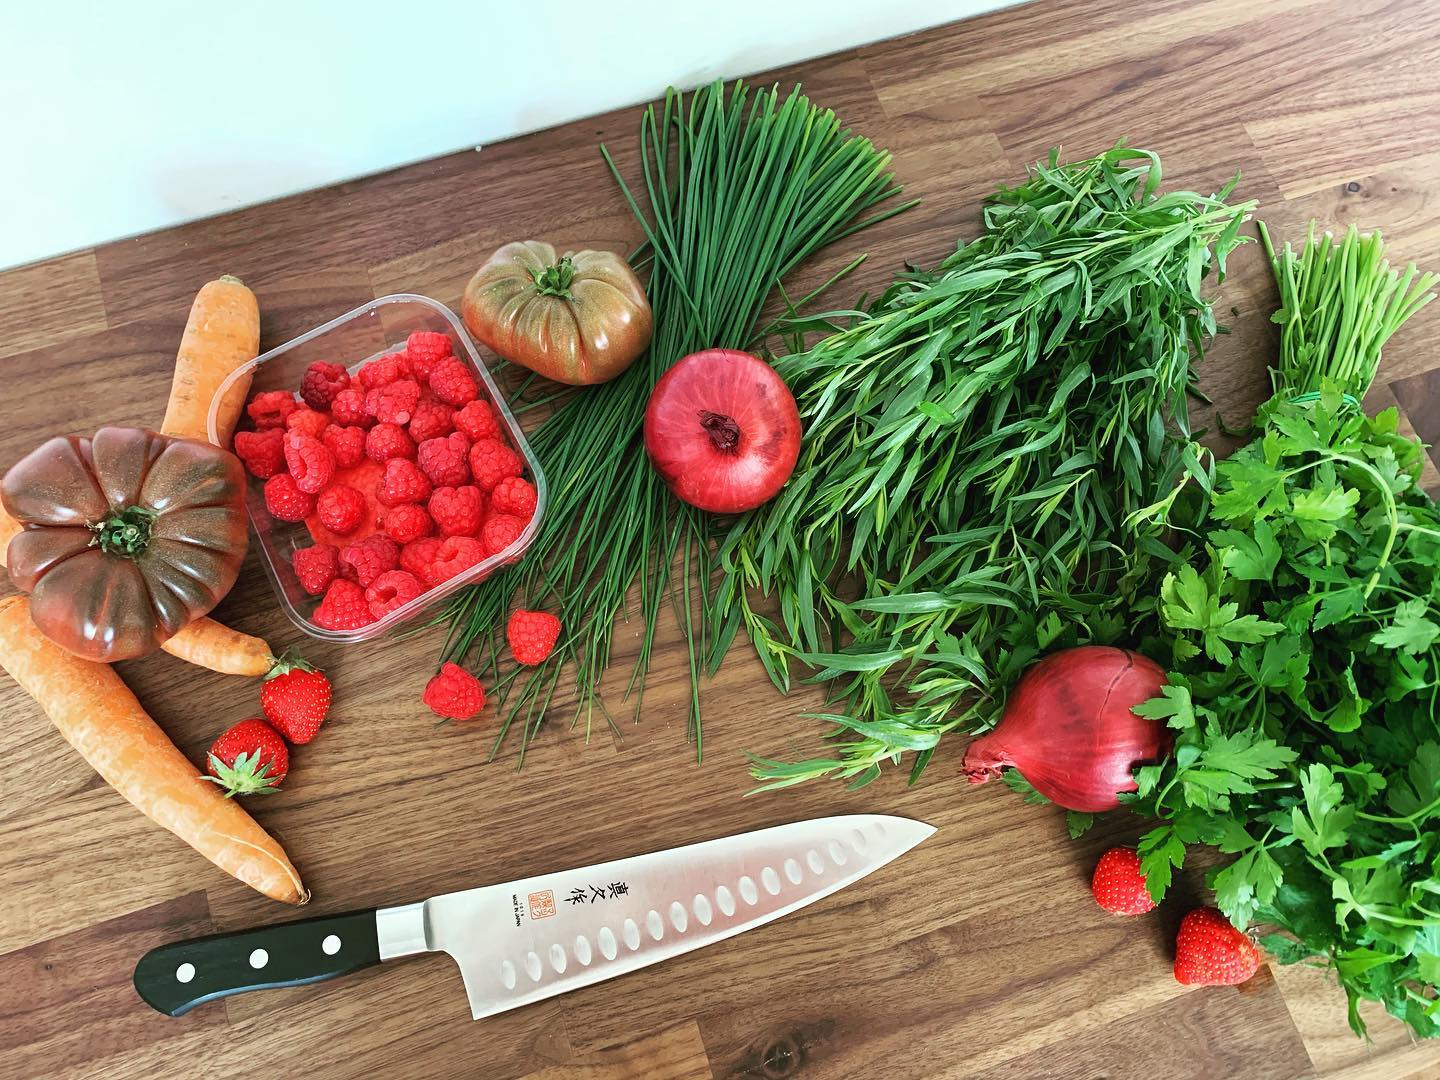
{"x":1409,"y":629}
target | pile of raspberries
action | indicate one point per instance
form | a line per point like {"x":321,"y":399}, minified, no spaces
{"x":400,"y":472}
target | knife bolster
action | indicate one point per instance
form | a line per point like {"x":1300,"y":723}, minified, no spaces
{"x":402,"y":930}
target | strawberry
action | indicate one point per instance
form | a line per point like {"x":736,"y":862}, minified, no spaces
{"x":1118,"y":884}
{"x":250,"y":758}
{"x":295,"y":698}
{"x":1209,"y":951}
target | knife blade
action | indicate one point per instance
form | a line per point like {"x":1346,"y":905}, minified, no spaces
{"x":530,"y":939}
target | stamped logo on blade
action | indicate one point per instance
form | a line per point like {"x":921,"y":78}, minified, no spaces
{"x":542,"y":904}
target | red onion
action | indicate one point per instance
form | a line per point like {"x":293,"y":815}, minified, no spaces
{"x":722,"y":430}
{"x":1068,"y":728}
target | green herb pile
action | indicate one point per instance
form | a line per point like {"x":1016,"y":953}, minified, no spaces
{"x":988,"y":449}
{"x":739,"y":189}
{"x":1304,"y":648}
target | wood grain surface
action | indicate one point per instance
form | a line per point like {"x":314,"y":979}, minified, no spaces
{"x":980,"y":953}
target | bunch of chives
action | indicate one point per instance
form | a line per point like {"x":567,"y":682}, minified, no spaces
{"x":739,"y":189}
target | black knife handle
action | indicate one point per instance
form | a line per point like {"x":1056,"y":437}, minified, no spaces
{"x":175,"y":978}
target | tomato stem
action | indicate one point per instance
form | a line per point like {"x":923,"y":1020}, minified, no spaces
{"x":126,"y":533}
{"x":724,"y":432}
{"x":555,"y":280}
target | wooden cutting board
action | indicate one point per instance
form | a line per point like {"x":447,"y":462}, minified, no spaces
{"x":979,"y":954}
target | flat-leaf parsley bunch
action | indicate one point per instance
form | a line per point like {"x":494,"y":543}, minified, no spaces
{"x":1305,"y":649}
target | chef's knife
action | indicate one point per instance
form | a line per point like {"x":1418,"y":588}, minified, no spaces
{"x":527,"y":940}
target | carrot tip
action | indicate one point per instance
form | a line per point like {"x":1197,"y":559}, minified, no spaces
{"x":230,"y":279}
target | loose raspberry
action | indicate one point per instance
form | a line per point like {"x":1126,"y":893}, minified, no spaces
{"x":391,"y":590}
{"x":432,"y":418}
{"x":340,"y":508}
{"x":457,"y":511}
{"x":306,"y":421}
{"x":403,"y":482}
{"x":444,"y":460}
{"x":513,"y":495}
{"x":452,"y":382}
{"x":406,"y":523}
{"x":310,"y":462}
{"x":285,"y":500}
{"x":316,"y":567}
{"x":532,"y":635}
{"x":321,"y":382}
{"x":385,"y":370}
{"x":492,"y":461}
{"x":500,"y":531}
{"x":371,"y":557}
{"x":270,"y":409}
{"x":346,"y":443}
{"x":386,"y":441}
{"x":424,"y":349}
{"x":348,"y":408}
{"x":263,"y":452}
{"x":454,"y":555}
{"x":418,"y":556}
{"x":477,"y":420}
{"x":454,"y":693}
{"x":393,"y":403}
{"x":343,"y":608}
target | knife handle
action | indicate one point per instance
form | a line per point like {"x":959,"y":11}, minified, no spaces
{"x":175,"y":978}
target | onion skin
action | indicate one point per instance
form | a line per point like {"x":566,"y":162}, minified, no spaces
{"x":722,"y":430}
{"x":1069,"y":730}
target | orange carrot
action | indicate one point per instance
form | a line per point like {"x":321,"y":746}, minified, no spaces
{"x":222,"y":334}
{"x":208,"y":644}
{"x":100,"y":717}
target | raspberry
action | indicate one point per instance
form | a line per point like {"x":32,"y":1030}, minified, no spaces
{"x":393,"y":403}
{"x":285,"y":500}
{"x":452,"y":382}
{"x":454,"y":693}
{"x":424,"y":349}
{"x":340,"y":508}
{"x":311,"y":462}
{"x":344,"y":607}
{"x":513,"y":495}
{"x":407,"y":522}
{"x":371,"y":557}
{"x":316,"y":567}
{"x":382,"y":371}
{"x":454,"y":555}
{"x":307,"y":421}
{"x":386,"y":441}
{"x":477,"y":421}
{"x":431,"y":419}
{"x":270,"y":409}
{"x":263,"y":452}
{"x":500,"y":531}
{"x":457,"y":511}
{"x":403,"y":482}
{"x":392,"y":589}
{"x":443,"y":460}
{"x":348,"y":408}
{"x":346,"y":443}
{"x":532,"y":635}
{"x":492,"y":461}
{"x":418,"y":556}
{"x":321,"y":383}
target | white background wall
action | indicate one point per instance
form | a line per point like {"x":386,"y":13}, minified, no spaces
{"x":123,"y":117}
